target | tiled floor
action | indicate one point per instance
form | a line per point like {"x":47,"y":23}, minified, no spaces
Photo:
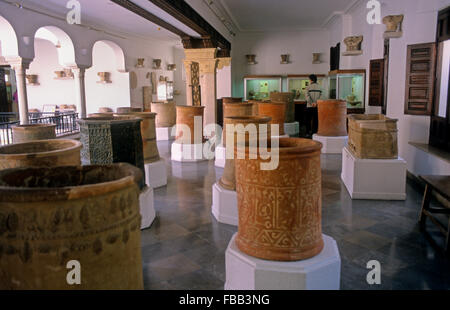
{"x":185,"y":246}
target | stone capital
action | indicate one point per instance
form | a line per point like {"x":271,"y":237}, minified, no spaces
{"x":18,"y":63}
{"x":197,"y":54}
{"x":223,"y":62}
{"x":208,"y":66}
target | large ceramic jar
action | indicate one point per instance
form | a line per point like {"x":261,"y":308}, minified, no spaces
{"x":52,"y":217}
{"x":231,"y":100}
{"x":42,"y":153}
{"x":186,"y":120}
{"x":166,"y":114}
{"x":108,"y":140}
{"x":275,"y":110}
{"x":235,"y":109}
{"x":280,"y":209}
{"x":26,"y":133}
{"x":288,"y":99}
{"x":255,"y":107}
{"x":228,"y":180}
{"x":148,"y":133}
{"x":332,"y":118}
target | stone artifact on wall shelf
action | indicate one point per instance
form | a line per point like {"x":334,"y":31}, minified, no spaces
{"x":69,"y":73}
{"x":284,"y":59}
{"x":133,"y":80}
{"x":140,"y":63}
{"x":171,"y":67}
{"x":157,"y":64}
{"x":49,"y":216}
{"x":353,"y":46}
{"x":274,"y":110}
{"x":32,"y":79}
{"x":60,"y":74}
{"x":186,"y":117}
{"x":332,"y":118}
{"x":32,"y":132}
{"x":154,"y":83}
{"x":166,"y":114}
{"x":280,"y":209}
{"x":147,"y":94}
{"x":393,"y":26}
{"x":251,"y":59}
{"x":176,"y":92}
{"x":316,"y":58}
{"x":43,"y":153}
{"x":288,"y":99}
{"x":104,"y":78}
{"x":372,"y":136}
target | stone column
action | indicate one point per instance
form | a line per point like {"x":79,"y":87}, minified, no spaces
{"x":80,"y":89}
{"x":20,"y":66}
{"x":187,"y":67}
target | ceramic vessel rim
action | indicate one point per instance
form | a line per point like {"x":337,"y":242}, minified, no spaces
{"x":28,"y":126}
{"x":250,"y":119}
{"x":75,"y":145}
{"x":313,"y":146}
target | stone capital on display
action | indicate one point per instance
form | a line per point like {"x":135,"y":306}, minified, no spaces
{"x":224,"y":62}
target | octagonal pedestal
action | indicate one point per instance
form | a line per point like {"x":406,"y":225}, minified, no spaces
{"x":189,"y":152}
{"x":221,"y":153}
{"x":164,"y":134}
{"x":147,"y":207}
{"x":322,"y":272}
{"x":156,"y":174}
{"x":331,"y":145}
{"x":224,"y":207}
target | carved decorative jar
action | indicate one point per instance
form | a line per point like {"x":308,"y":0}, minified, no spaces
{"x":280,"y":210}
{"x":275,"y":110}
{"x":288,"y":99}
{"x":166,"y":114}
{"x":185,"y":122}
{"x":332,"y":118}
{"x":232,"y":100}
{"x":42,"y":153}
{"x":372,"y":136}
{"x":108,"y":140}
{"x":148,"y":133}
{"x":26,"y":133}
{"x":51,"y":217}
{"x":235,"y":109}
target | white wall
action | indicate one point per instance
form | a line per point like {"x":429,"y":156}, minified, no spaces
{"x":419,"y":26}
{"x":224,"y":82}
{"x":179,"y":76}
{"x":268,"y":48}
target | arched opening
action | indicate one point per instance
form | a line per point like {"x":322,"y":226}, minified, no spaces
{"x":107,"y":83}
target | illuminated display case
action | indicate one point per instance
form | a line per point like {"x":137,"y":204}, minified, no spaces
{"x":350,"y":86}
{"x":259,"y":87}
{"x":298,"y":83}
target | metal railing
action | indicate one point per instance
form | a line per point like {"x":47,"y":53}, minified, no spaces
{"x":65,"y":123}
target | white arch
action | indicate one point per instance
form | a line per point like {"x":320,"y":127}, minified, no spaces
{"x":9,"y":46}
{"x":64,"y":44}
{"x":118,"y":52}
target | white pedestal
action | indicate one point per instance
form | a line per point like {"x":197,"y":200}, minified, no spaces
{"x":188,"y":152}
{"x":322,"y":272}
{"x":292,"y":129}
{"x":332,"y":145}
{"x":224,"y":207}
{"x":164,"y":134}
{"x":147,"y":207}
{"x":156,"y":174}
{"x":376,"y":179}
{"x":221,"y":153}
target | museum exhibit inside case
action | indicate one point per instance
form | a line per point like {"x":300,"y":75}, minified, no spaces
{"x":259,"y":87}
{"x":298,"y":84}
{"x":350,"y":86}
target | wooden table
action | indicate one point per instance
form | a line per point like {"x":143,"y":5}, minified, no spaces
{"x":440,"y":185}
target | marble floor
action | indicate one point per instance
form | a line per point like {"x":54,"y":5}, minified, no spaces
{"x":185,"y":246}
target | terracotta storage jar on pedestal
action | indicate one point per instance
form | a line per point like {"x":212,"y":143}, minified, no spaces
{"x":105,"y":110}
{"x":372,"y":136}
{"x":280,"y":210}
{"x":26,"y":133}
{"x":42,"y":153}
{"x":148,"y":133}
{"x":51,"y":216}
{"x":186,"y":117}
{"x":166,"y":114}
{"x":235,"y":109}
{"x":228,"y":180}
{"x":275,"y":110}
{"x":108,"y":140}
{"x":332,"y":118}
{"x":288,"y":99}
{"x":255,"y":106}
{"x":231,"y":100}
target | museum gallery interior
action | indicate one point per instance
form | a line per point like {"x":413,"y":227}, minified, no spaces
{"x":224,"y":144}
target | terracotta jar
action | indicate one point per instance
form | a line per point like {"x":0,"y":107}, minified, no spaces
{"x":108,"y":140}
{"x":42,"y":153}
{"x":275,"y":110}
{"x":105,"y":110}
{"x":228,"y":180}
{"x":26,"y":133}
{"x":186,"y":117}
{"x":148,"y":133}
{"x":255,"y":106}
{"x":372,"y":136}
{"x":231,"y":100}
{"x":280,"y":210}
{"x":332,"y":118}
{"x":235,"y":109}
{"x":51,"y":216}
{"x":123,"y":110}
{"x":288,"y":99}
{"x":166,"y":114}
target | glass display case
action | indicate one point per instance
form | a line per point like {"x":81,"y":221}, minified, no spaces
{"x":165,"y":90}
{"x":259,"y":87}
{"x":297,"y":84}
{"x":350,"y":86}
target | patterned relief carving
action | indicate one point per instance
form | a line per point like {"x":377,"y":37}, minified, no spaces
{"x":195,"y":82}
